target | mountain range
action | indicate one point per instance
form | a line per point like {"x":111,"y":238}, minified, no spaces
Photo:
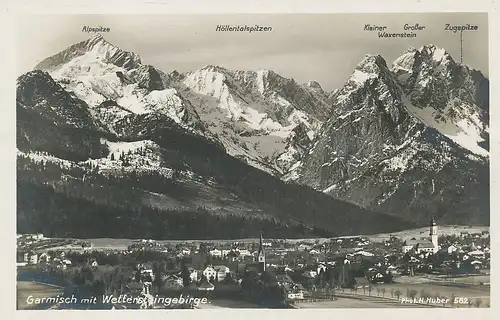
{"x":111,"y":147}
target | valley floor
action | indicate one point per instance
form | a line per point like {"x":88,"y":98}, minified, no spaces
{"x":121,"y":244}
{"x":32,"y":289}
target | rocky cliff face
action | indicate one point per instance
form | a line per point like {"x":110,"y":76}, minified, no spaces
{"x":408,"y":140}
{"x":109,"y":147}
{"x":51,"y":119}
{"x":254,"y":113}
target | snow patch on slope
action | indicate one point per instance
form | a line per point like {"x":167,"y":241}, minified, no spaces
{"x":457,"y":122}
{"x":95,"y":81}
{"x":141,"y":155}
{"x":38,"y":157}
{"x":361,"y":77}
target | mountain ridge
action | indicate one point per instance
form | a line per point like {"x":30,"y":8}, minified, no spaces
{"x":274,"y":125}
{"x":389,"y":122}
{"x":155,"y":166}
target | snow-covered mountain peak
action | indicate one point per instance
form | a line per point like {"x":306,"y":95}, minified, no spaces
{"x":428,"y":56}
{"x":436,"y":54}
{"x":372,"y":64}
{"x":209,"y":80}
{"x":96,"y":48}
{"x":214,"y":68}
{"x":371,"y":67}
{"x":371,"y":70}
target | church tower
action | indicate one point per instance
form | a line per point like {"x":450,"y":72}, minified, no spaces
{"x":261,"y":256}
{"x":433,"y":233}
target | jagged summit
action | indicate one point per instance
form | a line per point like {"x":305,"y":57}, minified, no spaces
{"x":214,"y":68}
{"x":371,"y":67}
{"x":410,"y":49}
{"x":430,"y":48}
{"x":97,"y":36}
{"x":435,"y":53}
{"x":429,"y":54}
{"x":372,"y":63}
{"x":96,"y":46}
{"x":403,"y":139}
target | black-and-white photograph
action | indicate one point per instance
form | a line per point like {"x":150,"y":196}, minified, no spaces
{"x":276,"y":161}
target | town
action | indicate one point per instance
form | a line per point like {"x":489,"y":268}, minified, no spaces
{"x":267,"y":273}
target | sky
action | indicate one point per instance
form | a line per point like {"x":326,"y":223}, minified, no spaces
{"x":321,"y":47}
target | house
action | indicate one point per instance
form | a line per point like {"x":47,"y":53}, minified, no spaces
{"x":364,"y":253}
{"x":477,"y":253}
{"x":245,"y":253}
{"x":94,"y":264}
{"x":32,"y":258}
{"x":215,"y":253}
{"x":393,"y":270}
{"x":361,"y":282}
{"x":193,"y":274}
{"x":222,"y":272}
{"x":452,"y":249}
{"x":44,"y":257}
{"x":303,"y":247}
{"x":67,"y":262}
{"x":36,"y":236}
{"x":147,"y":273}
{"x":174,"y":281}
{"x":287,"y":269}
{"x":210,"y":273}
{"x":321,"y":268}
{"x":378,"y":277}
{"x":364,"y":243}
{"x":294,"y":291}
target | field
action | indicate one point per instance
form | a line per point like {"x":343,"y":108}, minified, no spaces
{"x":224,"y":304}
{"x":37,"y":290}
{"x":358,"y":302}
{"x":121,"y":244}
{"x":460,"y":287}
{"x":442,"y":230}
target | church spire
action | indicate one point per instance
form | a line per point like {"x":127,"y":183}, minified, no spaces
{"x":261,"y":246}
{"x":433,"y":221}
{"x":261,"y":256}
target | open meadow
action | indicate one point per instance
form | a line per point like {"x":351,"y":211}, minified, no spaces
{"x":122,"y":244}
{"x":26,"y":289}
